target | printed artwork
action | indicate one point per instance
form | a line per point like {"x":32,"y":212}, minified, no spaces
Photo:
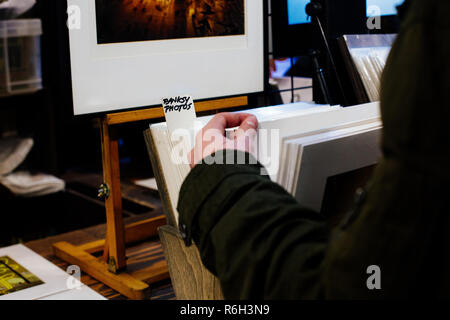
{"x":145,"y":20}
{"x":14,"y":277}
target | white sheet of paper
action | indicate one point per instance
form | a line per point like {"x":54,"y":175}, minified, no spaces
{"x":179,"y":112}
{"x":147,"y":183}
{"x":84,"y":293}
{"x":55,"y":279}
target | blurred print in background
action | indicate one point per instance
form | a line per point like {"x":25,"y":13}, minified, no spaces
{"x":144,"y":20}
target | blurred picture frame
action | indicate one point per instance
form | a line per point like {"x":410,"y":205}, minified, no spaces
{"x":109,"y":77}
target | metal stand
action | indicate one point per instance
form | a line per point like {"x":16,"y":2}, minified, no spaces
{"x":320,"y":76}
{"x":314,"y":9}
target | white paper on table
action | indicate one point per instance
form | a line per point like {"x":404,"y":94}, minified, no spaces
{"x":55,"y":279}
{"x":84,"y":293}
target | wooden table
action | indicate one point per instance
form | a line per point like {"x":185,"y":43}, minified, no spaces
{"x":138,"y":257}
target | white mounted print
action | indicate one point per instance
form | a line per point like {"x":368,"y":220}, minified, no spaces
{"x":131,"y":53}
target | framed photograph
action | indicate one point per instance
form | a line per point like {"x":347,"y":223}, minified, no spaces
{"x":131,"y":53}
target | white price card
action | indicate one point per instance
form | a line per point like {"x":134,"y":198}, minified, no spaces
{"x":180,"y":113}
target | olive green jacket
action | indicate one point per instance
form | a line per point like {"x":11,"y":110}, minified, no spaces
{"x":261,"y":243}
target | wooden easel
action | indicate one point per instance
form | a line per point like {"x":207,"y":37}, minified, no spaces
{"x":111,"y":269}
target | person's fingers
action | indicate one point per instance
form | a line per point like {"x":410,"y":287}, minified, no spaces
{"x":249,"y":123}
{"x":213,"y":138}
{"x":227,"y":120}
{"x":219,"y":122}
{"x":238,"y":119}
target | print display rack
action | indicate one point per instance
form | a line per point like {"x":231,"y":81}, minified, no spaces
{"x":111,"y":267}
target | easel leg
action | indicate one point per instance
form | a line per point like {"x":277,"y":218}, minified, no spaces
{"x":115,"y":233}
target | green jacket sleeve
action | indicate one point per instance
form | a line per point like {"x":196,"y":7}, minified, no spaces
{"x":231,"y":211}
{"x":262,"y":244}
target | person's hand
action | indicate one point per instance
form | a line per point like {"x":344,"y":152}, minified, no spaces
{"x":213,"y":137}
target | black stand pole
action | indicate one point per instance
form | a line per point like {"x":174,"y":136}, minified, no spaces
{"x":314,"y":54}
{"x":314,"y":9}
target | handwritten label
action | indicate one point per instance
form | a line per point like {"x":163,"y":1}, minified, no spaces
{"x":178,"y":104}
{"x":179,"y":112}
